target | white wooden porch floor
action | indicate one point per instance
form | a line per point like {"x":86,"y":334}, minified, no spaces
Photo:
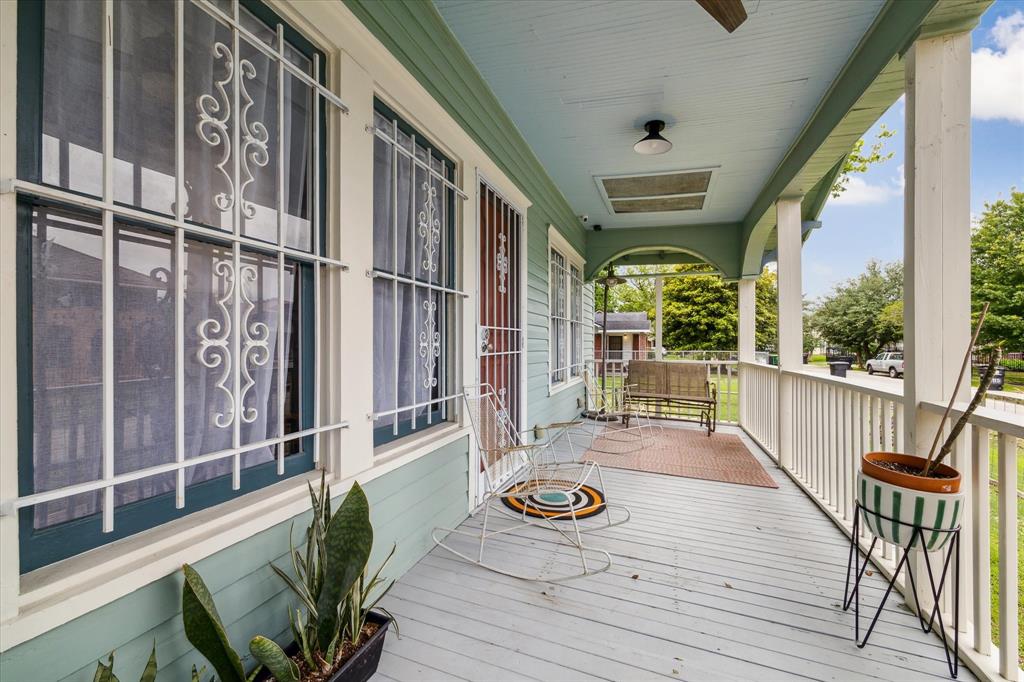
{"x":711,"y":581}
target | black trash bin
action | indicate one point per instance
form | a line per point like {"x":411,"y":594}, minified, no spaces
{"x":998,"y":379}
{"x":838,"y":369}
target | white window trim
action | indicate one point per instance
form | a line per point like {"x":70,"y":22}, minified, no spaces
{"x":572,"y":258}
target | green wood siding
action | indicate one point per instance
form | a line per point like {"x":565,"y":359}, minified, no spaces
{"x":406,"y":505}
{"x":419,"y":38}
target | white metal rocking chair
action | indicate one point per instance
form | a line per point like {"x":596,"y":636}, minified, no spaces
{"x":515,"y":469}
{"x":613,"y":403}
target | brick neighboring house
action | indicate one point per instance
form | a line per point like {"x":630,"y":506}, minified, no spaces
{"x":627,"y":335}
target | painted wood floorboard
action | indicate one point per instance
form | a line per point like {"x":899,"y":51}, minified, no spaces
{"x":710,"y":581}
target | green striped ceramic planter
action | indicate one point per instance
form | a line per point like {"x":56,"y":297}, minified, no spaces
{"x":883,"y":502}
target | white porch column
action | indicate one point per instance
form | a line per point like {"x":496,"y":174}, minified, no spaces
{"x":936,"y":233}
{"x":746,"y":333}
{"x":658,"y":285}
{"x":747,"y":325}
{"x":791,"y":320}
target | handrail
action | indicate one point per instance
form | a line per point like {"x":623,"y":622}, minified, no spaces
{"x":873,"y":391}
{"x":984,"y":417}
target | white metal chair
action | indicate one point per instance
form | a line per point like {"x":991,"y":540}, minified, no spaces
{"x":613,"y":403}
{"x":513,"y":468}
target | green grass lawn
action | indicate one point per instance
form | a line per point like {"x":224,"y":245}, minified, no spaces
{"x":1013,"y":382}
{"x":994,"y":541}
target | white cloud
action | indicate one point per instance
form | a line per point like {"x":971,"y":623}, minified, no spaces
{"x":997,"y":75}
{"x":860,"y":192}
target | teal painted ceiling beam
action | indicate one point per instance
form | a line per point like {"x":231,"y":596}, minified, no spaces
{"x":714,"y":244}
{"x":891,"y":31}
{"x":657,"y":258}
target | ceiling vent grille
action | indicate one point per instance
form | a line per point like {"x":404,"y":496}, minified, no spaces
{"x":665,"y":192}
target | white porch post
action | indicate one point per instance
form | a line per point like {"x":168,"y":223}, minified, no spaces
{"x":658,"y":285}
{"x":10,"y":578}
{"x":936,"y":251}
{"x":791,"y":319}
{"x":746,"y":333}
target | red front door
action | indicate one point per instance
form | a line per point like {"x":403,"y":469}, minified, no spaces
{"x":500,"y":329}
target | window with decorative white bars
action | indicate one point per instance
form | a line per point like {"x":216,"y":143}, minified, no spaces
{"x":415,"y":294}
{"x":170,"y":252}
{"x":565,"y":291}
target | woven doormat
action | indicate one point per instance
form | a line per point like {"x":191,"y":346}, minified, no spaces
{"x":682,"y":452}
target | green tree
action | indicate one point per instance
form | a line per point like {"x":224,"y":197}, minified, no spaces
{"x":857,"y":161}
{"x":890,"y":321}
{"x":997,"y":271}
{"x":766,"y":302}
{"x":701,"y":312}
{"x":855,"y":316}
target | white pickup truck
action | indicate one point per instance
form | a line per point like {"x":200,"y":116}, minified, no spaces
{"x":887,"y":363}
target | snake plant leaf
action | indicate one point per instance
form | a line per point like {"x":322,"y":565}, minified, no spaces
{"x":267,"y":652}
{"x":204,"y":629}
{"x":105,"y":673}
{"x":149,"y":674}
{"x":348,"y":542}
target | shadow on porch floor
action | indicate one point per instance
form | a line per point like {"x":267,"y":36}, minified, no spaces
{"x":711,"y":581}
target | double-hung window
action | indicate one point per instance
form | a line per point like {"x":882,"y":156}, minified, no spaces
{"x":415,"y":300}
{"x":565,"y":305}
{"x":170,"y":237}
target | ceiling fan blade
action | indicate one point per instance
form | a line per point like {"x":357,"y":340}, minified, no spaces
{"x":729,"y":13}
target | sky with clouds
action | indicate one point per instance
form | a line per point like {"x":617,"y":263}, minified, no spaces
{"x":866,"y":222}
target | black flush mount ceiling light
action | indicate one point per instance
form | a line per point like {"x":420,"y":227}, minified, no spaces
{"x":654,"y":143}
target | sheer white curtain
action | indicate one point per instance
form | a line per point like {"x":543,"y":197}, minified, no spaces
{"x":67,"y":248}
{"x":67,"y":366}
{"x":411,"y":243}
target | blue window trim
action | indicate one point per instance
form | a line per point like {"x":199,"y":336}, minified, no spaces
{"x":41,"y":547}
{"x":386,"y":433}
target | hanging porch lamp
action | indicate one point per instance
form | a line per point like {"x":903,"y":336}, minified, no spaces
{"x":609,"y":280}
{"x":654,"y":143}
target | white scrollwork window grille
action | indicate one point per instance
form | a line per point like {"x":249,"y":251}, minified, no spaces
{"x":565,"y":289}
{"x":414,"y":303}
{"x":176,"y":290}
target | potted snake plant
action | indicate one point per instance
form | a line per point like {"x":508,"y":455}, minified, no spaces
{"x":900,"y":492}
{"x":341,"y":635}
{"x":338,"y":636}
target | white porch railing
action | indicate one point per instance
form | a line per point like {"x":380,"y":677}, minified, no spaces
{"x":759,"y":405}
{"x":835,"y":421}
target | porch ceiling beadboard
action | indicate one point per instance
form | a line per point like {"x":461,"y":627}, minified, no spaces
{"x":416,"y":34}
{"x":871,"y":82}
{"x":405,"y":505}
{"x":580,"y":78}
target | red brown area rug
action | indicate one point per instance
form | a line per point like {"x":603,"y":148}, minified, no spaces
{"x":681,"y":452}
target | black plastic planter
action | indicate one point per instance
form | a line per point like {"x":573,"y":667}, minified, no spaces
{"x":363,"y":663}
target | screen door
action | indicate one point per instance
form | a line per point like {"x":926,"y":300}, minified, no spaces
{"x":500,"y":331}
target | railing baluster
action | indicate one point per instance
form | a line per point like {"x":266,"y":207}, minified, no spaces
{"x":981,"y":571}
{"x":1009,"y":597}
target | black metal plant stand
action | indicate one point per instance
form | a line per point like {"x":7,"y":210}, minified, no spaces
{"x":854,"y":566}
